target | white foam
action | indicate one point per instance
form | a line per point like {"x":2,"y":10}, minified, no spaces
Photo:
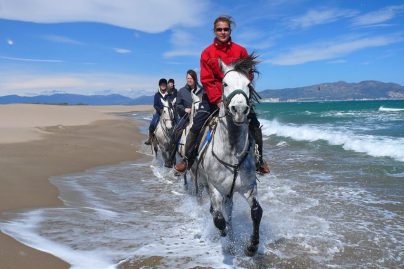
{"x":371,"y":145}
{"x":396,"y":174}
{"x":24,"y":230}
{"x":390,"y":109}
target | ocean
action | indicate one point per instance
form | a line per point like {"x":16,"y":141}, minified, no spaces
{"x":334,"y":199}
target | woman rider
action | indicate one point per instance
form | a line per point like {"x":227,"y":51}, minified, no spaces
{"x":184,"y":105}
{"x":211,"y":77}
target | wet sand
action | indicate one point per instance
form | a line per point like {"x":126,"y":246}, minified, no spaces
{"x":40,"y":141}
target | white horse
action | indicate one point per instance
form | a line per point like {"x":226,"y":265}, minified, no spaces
{"x":196,"y":99}
{"x":227,"y":165}
{"x":163,"y":133}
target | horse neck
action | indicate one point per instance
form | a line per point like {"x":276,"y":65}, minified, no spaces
{"x":231,"y":136}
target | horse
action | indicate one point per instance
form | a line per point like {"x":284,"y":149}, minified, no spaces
{"x":196,"y":99}
{"x":163,"y":133}
{"x":227,"y":163}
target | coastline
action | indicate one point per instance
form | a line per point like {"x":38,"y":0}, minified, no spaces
{"x":56,"y":140}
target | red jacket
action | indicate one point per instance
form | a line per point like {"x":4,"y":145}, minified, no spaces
{"x":211,"y":75}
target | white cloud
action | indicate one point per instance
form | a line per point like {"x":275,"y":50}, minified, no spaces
{"x":331,"y":50}
{"x":183,"y":44}
{"x":10,"y":42}
{"x":320,"y":16}
{"x":377,"y":17}
{"x":122,"y":51}
{"x":255,"y":39}
{"x":88,"y":83}
{"x":62,"y":39}
{"x":30,"y":60}
{"x":338,"y":61}
{"x":150,"y":16}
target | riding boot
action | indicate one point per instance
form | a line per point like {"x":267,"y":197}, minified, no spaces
{"x":190,"y":146}
{"x":263,"y":166}
{"x":149,"y":140}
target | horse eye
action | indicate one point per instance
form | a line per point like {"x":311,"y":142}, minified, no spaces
{"x":224,"y":84}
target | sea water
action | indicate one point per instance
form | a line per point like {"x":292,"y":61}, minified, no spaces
{"x":334,"y":199}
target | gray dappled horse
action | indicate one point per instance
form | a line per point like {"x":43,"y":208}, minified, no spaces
{"x":163,"y":133}
{"x":227,"y":164}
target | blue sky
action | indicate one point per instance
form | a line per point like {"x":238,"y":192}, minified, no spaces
{"x":123,"y":46}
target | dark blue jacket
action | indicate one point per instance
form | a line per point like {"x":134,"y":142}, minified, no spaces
{"x":158,"y":105}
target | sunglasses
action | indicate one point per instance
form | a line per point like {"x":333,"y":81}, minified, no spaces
{"x":222,"y":29}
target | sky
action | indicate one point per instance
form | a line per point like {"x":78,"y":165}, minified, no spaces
{"x":126,"y":46}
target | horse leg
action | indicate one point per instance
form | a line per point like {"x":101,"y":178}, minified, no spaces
{"x":256,"y":215}
{"x":228,"y":207}
{"x":216,"y":202}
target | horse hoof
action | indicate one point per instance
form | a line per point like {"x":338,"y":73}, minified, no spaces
{"x":219,"y":221}
{"x":251,"y":250}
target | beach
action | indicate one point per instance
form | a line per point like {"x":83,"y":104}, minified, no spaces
{"x":90,"y":193}
{"x":40,"y":141}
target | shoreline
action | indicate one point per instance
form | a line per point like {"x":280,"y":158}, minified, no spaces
{"x":69,"y":140}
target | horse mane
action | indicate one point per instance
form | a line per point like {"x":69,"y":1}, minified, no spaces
{"x":247,"y":65}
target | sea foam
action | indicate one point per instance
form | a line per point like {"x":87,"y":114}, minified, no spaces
{"x":371,"y":145}
{"x":389,"y":109}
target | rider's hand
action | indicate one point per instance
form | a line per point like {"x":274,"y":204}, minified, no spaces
{"x":219,"y":103}
{"x":188,"y":110}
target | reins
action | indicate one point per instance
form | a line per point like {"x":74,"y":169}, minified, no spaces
{"x":236,"y":167}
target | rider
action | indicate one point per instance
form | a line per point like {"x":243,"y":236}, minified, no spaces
{"x":184,"y":98}
{"x":161,"y":94}
{"x":211,"y":77}
{"x":184,"y":104}
{"x":171,"y":88}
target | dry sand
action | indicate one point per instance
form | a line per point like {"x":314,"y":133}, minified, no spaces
{"x":40,"y":141}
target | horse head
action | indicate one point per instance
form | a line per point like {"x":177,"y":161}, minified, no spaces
{"x":236,"y":88}
{"x":167,"y":114}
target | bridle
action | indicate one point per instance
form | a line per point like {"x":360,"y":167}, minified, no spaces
{"x":227,"y":99}
{"x":167,"y":132}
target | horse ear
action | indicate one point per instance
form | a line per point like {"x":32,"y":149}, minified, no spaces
{"x":164,"y":102}
{"x":223,"y":66}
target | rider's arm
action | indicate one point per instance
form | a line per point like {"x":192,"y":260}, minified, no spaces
{"x":180,"y":104}
{"x":209,"y":81}
{"x":158,"y":105}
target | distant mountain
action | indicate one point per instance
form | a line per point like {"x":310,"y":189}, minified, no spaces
{"x":320,"y":92}
{"x":337,"y":91}
{"x":144,"y":100}
{"x":76,"y":99}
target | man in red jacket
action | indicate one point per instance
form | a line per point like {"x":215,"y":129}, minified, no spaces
{"x":211,"y":77}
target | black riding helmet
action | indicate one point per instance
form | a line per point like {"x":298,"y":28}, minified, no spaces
{"x":162,"y":81}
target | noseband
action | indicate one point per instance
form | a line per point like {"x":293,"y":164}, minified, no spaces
{"x":227,"y":99}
